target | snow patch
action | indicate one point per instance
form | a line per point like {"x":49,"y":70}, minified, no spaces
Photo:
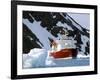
{"x":41,"y":33}
{"x":84,"y":40}
{"x":64,"y":25}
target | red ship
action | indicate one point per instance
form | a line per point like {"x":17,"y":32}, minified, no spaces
{"x":63,"y":49}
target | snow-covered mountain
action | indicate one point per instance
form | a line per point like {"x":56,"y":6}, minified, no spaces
{"x":41,"y":28}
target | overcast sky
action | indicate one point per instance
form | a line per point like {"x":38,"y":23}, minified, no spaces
{"x":82,"y":19}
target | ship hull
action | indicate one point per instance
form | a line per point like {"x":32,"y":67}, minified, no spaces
{"x":64,"y":53}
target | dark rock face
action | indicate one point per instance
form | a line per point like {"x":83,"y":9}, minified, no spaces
{"x":49,"y":21}
{"x":29,"y":40}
